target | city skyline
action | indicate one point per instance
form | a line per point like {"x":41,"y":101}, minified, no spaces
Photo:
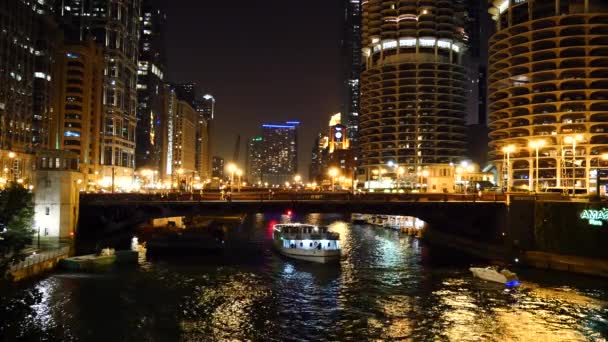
{"x":271,"y":41}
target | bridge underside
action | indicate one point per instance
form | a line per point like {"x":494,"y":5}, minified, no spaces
{"x":480,"y":220}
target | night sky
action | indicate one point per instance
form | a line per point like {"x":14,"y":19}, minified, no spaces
{"x":264,"y":61}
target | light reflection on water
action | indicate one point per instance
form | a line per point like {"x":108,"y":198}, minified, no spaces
{"x":387,"y":287}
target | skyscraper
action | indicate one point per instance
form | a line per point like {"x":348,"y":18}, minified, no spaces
{"x":115,"y":25}
{"x":150,"y":72}
{"x":351,"y":55}
{"x":319,"y":158}
{"x":218,"y":167}
{"x":78,"y":117}
{"x":184,"y":138}
{"x":186,"y":92}
{"x":29,"y":42}
{"x":547,"y":90}
{"x":273,"y":157}
{"x":205,"y":107}
{"x":255,"y":159}
{"x":413,"y":104}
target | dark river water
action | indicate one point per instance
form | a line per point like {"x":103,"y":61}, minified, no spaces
{"x":388,"y":286}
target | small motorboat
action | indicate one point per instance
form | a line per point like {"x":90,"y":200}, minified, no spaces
{"x":90,"y":262}
{"x":490,"y":273}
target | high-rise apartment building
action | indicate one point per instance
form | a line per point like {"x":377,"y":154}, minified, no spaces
{"x":413,"y":104}
{"x":184,"y":138}
{"x":548,"y":71}
{"x":78,"y":116}
{"x":273,"y":157}
{"x":186,"y":92}
{"x":150,"y":72}
{"x":218,"y":167}
{"x":205,"y":107}
{"x":319,"y":158}
{"x":351,"y":55}
{"x":29,"y":43}
{"x":167,"y":132}
{"x":255,"y":159}
{"x":115,"y":25}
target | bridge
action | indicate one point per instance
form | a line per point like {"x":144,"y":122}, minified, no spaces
{"x":482,"y":218}
{"x":479,"y":224}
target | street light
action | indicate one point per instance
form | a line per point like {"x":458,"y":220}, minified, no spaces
{"x":507,"y":150}
{"x":296,"y":180}
{"x":180,"y":172}
{"x":239,"y":173}
{"x":572,"y":139}
{"x":536,"y":144}
{"x":333,"y":172}
{"x":232,"y":169}
{"x":462,"y":170}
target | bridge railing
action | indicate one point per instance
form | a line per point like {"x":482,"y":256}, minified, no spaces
{"x":293,"y":196}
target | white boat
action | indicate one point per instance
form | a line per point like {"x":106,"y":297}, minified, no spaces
{"x":493,"y":274}
{"x":306,"y":242}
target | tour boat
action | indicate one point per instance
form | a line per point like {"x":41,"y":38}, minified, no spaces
{"x":306,"y":242}
{"x":492,"y":274}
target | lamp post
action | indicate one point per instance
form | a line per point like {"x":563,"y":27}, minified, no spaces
{"x":536,"y":144}
{"x":333,"y":172}
{"x":232,"y":169}
{"x":296,"y":181}
{"x":598,"y":177}
{"x":572,"y":139}
{"x":180,"y":172}
{"x":239,"y":173}
{"x":507,"y":150}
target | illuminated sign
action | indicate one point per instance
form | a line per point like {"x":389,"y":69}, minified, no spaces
{"x":595,"y":217}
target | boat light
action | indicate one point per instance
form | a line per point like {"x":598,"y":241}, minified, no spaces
{"x":513,"y":283}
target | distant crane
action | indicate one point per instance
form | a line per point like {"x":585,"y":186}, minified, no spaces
{"x":237,"y":149}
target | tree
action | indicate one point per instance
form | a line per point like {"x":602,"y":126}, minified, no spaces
{"x":16,"y":221}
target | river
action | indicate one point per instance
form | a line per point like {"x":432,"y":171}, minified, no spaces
{"x":387,"y":287}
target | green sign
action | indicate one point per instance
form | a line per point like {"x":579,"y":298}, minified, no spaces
{"x":595,"y":217}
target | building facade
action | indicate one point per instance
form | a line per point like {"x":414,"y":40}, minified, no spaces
{"x":255,"y":159}
{"x":78,"y":116}
{"x":115,"y":25}
{"x":29,"y":43}
{"x":56,"y":199}
{"x":319,"y":158}
{"x":413,"y":104}
{"x":184,"y":139}
{"x":218,"y":167}
{"x":205,"y":107}
{"x":548,"y":81}
{"x":167,"y":132}
{"x":273,"y":157}
{"x":351,"y":55}
{"x":150,"y":81}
